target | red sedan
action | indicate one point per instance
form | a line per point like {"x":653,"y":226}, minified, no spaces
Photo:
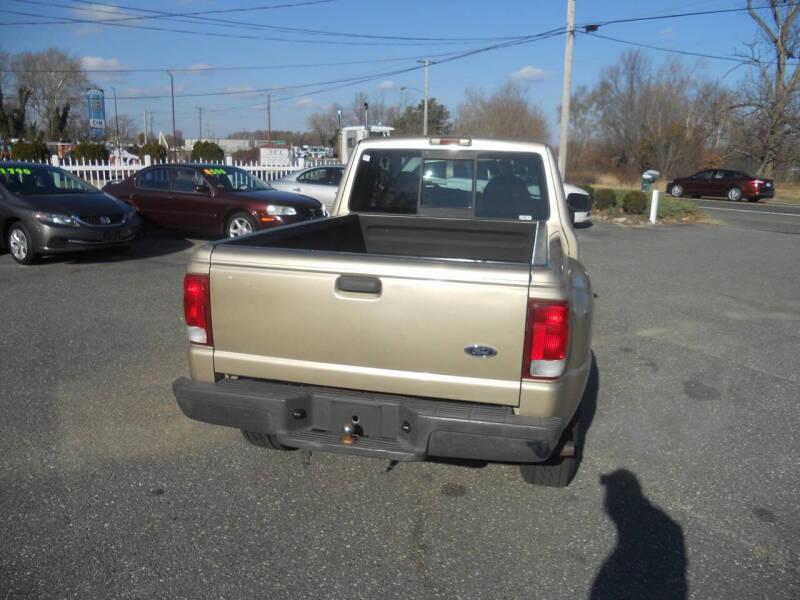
{"x":211,"y":199}
{"x":722,"y":183}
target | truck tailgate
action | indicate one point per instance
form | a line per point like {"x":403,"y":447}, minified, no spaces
{"x":378,"y":323}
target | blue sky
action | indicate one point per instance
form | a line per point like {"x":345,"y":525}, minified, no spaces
{"x":297,"y":67}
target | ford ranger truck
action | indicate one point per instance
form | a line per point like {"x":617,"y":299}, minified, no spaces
{"x":440,"y":313}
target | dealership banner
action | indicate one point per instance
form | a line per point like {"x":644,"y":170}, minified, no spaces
{"x":97,"y":112}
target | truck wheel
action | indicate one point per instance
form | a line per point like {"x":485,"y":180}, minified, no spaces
{"x":557,"y":471}
{"x":264,"y":440}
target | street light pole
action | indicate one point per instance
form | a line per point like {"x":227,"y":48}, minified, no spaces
{"x":427,"y":63}
{"x":562,"y":144}
{"x":269,"y":118}
{"x":116,"y":118}
{"x":172,"y":95}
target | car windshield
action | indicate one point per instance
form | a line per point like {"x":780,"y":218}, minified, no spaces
{"x":233,"y":179}
{"x":40,"y":180}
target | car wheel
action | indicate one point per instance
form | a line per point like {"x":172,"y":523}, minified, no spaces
{"x":557,"y":471}
{"x":677,"y":191}
{"x":734,"y":194}
{"x":239,"y":224}
{"x":264,"y":440}
{"x":20,"y":244}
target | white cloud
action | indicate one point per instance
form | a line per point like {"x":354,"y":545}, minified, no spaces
{"x":102,"y":12}
{"x":244,"y":91}
{"x":157,"y":90}
{"x":529,"y":73}
{"x":304,"y":102}
{"x":387,"y":85}
{"x":97,"y":13}
{"x":98,"y":63}
{"x":83,"y":30}
{"x":201,"y":68}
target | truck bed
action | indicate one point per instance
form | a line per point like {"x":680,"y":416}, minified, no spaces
{"x":413,"y":236}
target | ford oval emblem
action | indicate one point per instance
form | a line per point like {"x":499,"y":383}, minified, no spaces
{"x":480,"y":351}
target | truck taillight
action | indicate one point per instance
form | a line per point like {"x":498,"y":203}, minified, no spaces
{"x":546,"y":340}
{"x":197,"y":309}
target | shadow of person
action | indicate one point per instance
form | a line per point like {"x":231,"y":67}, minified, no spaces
{"x":650,"y":558}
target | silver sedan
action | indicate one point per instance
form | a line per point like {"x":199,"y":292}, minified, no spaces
{"x":320,"y":183}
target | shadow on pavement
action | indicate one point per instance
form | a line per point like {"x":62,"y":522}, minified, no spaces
{"x":650,"y":558}
{"x":149,"y":247}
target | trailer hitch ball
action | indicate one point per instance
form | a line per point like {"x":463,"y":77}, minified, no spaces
{"x":348,"y":438}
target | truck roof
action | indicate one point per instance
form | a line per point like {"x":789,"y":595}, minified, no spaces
{"x":428,"y":143}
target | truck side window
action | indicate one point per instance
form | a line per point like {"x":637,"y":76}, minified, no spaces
{"x":387,"y":181}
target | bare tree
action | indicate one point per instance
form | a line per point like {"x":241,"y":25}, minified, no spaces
{"x":770,"y":108}
{"x":324,"y":125}
{"x":506,"y":113}
{"x":57,"y":82}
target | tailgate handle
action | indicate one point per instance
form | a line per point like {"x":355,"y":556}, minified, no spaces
{"x":362,"y":285}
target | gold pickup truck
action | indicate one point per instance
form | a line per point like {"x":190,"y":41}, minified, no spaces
{"x":441,"y":312}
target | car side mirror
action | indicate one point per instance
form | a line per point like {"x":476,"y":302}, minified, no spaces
{"x":203,"y":189}
{"x":575,"y":202}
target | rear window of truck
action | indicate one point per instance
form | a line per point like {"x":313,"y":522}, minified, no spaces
{"x":488,"y":185}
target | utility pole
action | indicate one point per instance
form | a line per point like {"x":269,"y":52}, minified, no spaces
{"x":172,"y":95}
{"x":427,"y":62}
{"x":116,"y":118}
{"x":199,"y":122}
{"x":562,"y":145}
{"x":269,"y":118}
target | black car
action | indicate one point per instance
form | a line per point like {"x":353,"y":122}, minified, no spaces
{"x":46,"y":210}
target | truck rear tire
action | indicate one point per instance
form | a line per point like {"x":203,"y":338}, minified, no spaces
{"x":557,"y":471}
{"x":264,"y":440}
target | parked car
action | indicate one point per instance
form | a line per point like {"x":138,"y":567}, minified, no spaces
{"x":211,"y":199}
{"x":580,"y":203}
{"x":46,"y":210}
{"x":722,"y":183}
{"x":321,"y":183}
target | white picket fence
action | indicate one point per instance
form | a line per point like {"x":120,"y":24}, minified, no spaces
{"x":99,"y":173}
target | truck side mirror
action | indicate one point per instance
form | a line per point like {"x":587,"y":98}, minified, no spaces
{"x":575,"y":202}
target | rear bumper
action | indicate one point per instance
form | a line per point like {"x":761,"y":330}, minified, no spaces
{"x":387,"y":426}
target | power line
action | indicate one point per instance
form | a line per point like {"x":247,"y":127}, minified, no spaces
{"x":678,"y":15}
{"x":365,"y":79}
{"x":73,"y":21}
{"x":194,"y":18}
{"x":210,"y":68}
{"x":672,"y":50}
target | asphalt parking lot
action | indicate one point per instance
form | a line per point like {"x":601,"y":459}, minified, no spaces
{"x":689,"y":485}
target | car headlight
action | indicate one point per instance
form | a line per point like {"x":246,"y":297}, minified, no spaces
{"x":55,"y":219}
{"x":276,"y":210}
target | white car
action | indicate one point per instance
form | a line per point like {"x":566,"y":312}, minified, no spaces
{"x":320,"y":183}
{"x":583,"y":214}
